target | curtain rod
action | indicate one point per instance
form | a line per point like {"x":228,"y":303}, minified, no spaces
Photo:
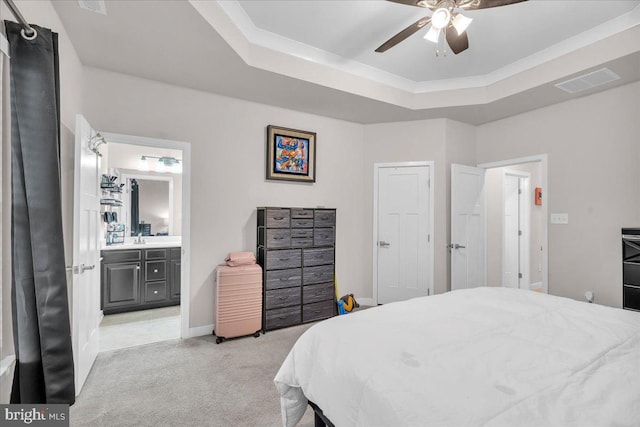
{"x":27,"y":31}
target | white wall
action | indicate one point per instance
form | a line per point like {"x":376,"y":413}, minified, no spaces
{"x":593,"y":152}
{"x":228,"y":144}
{"x":495,"y":222}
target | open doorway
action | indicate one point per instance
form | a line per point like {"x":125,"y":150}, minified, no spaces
{"x":141,"y":253}
{"x":517,"y":223}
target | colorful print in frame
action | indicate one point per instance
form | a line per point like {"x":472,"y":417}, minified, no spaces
{"x":291,"y":154}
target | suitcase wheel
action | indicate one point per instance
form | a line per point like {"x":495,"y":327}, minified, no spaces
{"x":257,"y":334}
{"x":219,"y":340}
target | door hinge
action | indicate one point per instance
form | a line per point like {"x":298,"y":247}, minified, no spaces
{"x":519,"y":275}
{"x":519,"y":232}
{"x":428,"y":238}
{"x":519,"y":191}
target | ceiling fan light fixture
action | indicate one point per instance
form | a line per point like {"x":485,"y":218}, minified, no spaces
{"x":433,"y":35}
{"x":461,"y":23}
{"x":440,"y":18}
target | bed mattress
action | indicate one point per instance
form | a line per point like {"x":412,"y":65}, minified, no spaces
{"x":477,"y":357}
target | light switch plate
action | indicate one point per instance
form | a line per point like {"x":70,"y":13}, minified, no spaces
{"x":559,"y":218}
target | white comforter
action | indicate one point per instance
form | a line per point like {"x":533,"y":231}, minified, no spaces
{"x":478,"y":357}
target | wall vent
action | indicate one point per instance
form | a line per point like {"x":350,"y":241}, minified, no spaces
{"x":588,"y":81}
{"x":97,"y":6}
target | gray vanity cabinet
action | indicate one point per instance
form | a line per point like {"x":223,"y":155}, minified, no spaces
{"x":296,"y":249}
{"x":139,"y":279}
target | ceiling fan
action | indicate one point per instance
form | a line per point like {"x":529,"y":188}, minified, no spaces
{"x":443,"y":19}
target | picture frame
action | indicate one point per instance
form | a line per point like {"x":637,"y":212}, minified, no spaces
{"x":291,"y":154}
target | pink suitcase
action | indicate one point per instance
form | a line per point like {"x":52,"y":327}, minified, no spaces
{"x":237,"y":293}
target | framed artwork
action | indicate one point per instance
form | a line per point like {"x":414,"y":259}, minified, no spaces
{"x":291,"y":154}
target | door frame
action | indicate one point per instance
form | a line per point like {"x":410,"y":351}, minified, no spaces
{"x":544,"y":168}
{"x":524,"y":216}
{"x":185,"y":300}
{"x":431,"y":226}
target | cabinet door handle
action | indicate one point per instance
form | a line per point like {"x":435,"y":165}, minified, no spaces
{"x":155,"y":270}
{"x":155,"y":292}
{"x":137,"y":267}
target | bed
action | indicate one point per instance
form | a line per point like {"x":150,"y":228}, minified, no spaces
{"x":477,"y":357}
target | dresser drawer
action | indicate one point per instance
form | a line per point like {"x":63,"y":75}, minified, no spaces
{"x":320,"y":274}
{"x":301,"y":232}
{"x":282,"y":317}
{"x":155,"y":291}
{"x":315,"y":293}
{"x":318,"y":311}
{"x":155,"y":254}
{"x":277,"y":238}
{"x":155,"y":270}
{"x":302,"y":242}
{"x":302,"y":223}
{"x":317,"y":256}
{"x":282,"y":298}
{"x":631,"y":297}
{"x":278,"y":279}
{"x":302,"y":213}
{"x":114,"y":256}
{"x":323,"y":237}
{"x":286,"y":258}
{"x":324,"y":218}
{"x":278,"y":218}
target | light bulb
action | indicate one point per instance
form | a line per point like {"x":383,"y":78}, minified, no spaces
{"x":143,"y":164}
{"x":433,"y":35}
{"x":440,"y":18}
{"x":461,"y":23}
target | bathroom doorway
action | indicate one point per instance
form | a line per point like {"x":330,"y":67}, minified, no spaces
{"x":145,"y":184}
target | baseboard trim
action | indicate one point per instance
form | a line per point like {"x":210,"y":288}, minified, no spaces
{"x":199,"y":331}
{"x":365,"y":301}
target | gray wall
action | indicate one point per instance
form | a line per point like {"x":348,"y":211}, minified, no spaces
{"x":593,"y":152}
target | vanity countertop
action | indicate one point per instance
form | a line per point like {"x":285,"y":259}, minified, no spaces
{"x":147,"y":245}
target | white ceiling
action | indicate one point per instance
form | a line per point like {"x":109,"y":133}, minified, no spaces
{"x":230,"y":48}
{"x":497,"y":36}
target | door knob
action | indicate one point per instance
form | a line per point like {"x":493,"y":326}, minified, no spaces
{"x":457,"y":246}
{"x":384,"y":244}
{"x":84,"y":268}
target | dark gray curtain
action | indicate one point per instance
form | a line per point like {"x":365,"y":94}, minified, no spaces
{"x":41,"y":329}
{"x":135,"y":208}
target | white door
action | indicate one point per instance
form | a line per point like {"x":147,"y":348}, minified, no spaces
{"x":404,"y":247}
{"x":515,"y":255}
{"x":468,"y":227}
{"x":86,"y":253}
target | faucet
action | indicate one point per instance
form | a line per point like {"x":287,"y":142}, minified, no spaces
{"x":139,"y":240}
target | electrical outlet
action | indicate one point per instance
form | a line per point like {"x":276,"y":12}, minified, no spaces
{"x":559,"y":218}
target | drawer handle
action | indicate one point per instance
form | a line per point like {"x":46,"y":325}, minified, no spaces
{"x":155,"y":292}
{"x":278,"y":218}
{"x":282,"y":317}
{"x":284,"y":279}
{"x":303,"y":213}
{"x":283,"y":298}
{"x":283,"y":259}
{"x":137,"y":267}
{"x":324,"y":218}
{"x":155,"y":270}
{"x":278,"y":238}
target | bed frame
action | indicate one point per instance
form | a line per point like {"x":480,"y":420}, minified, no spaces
{"x":319,"y":419}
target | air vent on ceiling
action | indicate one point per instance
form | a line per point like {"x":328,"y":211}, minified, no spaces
{"x":588,"y":81}
{"x":97,"y":6}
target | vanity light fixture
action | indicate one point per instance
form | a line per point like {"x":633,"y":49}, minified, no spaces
{"x":164,"y":164}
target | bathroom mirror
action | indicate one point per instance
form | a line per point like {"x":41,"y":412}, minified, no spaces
{"x":150,"y":208}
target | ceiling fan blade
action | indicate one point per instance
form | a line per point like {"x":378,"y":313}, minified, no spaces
{"x":457,"y":43}
{"x":486,"y":4}
{"x":416,"y":3}
{"x":403,"y":34}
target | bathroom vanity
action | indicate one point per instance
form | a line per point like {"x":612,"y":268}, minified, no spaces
{"x":138,"y":277}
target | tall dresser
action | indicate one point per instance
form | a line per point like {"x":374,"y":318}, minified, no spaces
{"x":297,"y":253}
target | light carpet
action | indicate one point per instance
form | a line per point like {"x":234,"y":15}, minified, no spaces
{"x":192,"y":382}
